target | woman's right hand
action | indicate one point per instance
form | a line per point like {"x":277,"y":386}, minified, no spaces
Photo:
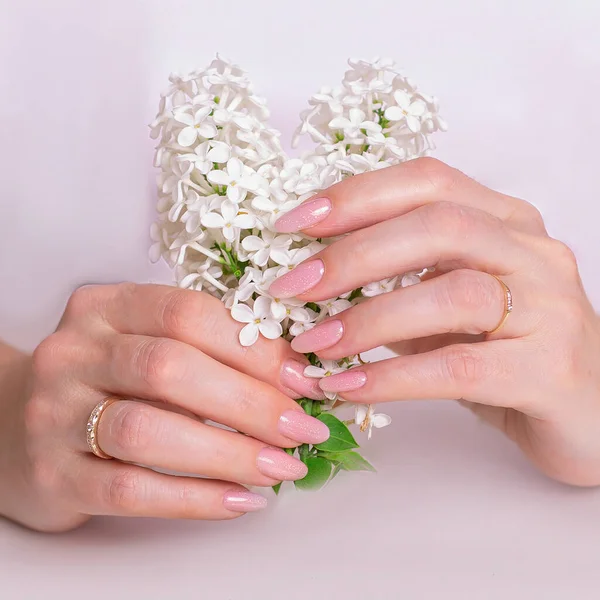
{"x":172,"y":358}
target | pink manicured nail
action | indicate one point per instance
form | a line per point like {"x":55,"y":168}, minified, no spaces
{"x":304,"y":277}
{"x":292,"y":377}
{"x":300,"y":427}
{"x":322,"y":336}
{"x":344,"y":382}
{"x":243,"y":501}
{"x":279,"y":465}
{"x":304,"y":216}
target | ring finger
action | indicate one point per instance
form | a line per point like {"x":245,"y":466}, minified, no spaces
{"x":136,"y":432}
{"x":175,"y":373}
{"x":461,"y":301}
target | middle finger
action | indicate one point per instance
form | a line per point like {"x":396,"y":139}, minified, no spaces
{"x":169,"y":371}
{"x":442,"y":234}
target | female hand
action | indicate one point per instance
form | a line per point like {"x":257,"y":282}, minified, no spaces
{"x":169,"y":356}
{"x":537,"y":378}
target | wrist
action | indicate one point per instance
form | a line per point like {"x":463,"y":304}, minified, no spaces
{"x":14,"y":384}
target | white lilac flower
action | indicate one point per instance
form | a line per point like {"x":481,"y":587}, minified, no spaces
{"x":196,"y":126}
{"x":366,"y":418}
{"x":334,"y":306}
{"x":238,"y":178}
{"x":206,"y":154}
{"x":410,"y":279}
{"x":224,"y":116}
{"x":380,"y":287}
{"x":230,"y":220}
{"x":290,"y":259}
{"x":353,"y":125}
{"x":259,"y":248}
{"x":258,"y":320}
{"x":406,"y":109}
{"x":327,"y":369}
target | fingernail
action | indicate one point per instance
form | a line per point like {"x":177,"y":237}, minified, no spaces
{"x":243,"y":501}
{"x":292,"y":377}
{"x":304,"y":216}
{"x":300,"y":427}
{"x":343,"y":382}
{"x":279,"y":465}
{"x":304,"y":277}
{"x":322,"y":336}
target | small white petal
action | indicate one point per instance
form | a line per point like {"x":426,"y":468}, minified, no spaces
{"x":235,"y":168}
{"x":235,"y":193}
{"x":316,"y":372}
{"x":360,"y":414}
{"x":244,"y":221}
{"x":271,"y":329}
{"x":394,"y":113}
{"x":219,"y":177}
{"x":413,"y":123}
{"x":207,"y":130}
{"x":262,"y":307}
{"x":242,"y":313}
{"x":380,"y":420}
{"x":278,"y":310}
{"x":417,"y":108}
{"x":219,"y":152}
{"x":249,"y":334}
{"x":187,"y":136}
{"x":212,"y":219}
{"x":253,"y":243}
{"x":229,"y":211}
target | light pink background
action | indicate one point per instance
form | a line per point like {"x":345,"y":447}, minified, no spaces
{"x":455,"y":511}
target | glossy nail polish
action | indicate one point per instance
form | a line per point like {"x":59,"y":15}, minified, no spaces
{"x":304,"y":216}
{"x":279,"y":465}
{"x":320,"y":337}
{"x":300,"y":427}
{"x":292,"y":377}
{"x":243,"y":501}
{"x":347,"y":381}
{"x":304,"y":277}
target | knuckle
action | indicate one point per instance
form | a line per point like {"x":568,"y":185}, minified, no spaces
{"x":156,"y":363}
{"x":135,"y":427}
{"x":466,"y":290}
{"x":435,"y":174}
{"x":179,"y":312}
{"x":81,"y":301}
{"x":49,"y":356}
{"x":448,"y":218}
{"x":464,"y":365}
{"x":531,"y":214}
{"x":563,"y":257}
{"x":124,"y":490}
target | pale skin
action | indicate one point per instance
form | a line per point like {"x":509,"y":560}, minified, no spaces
{"x":175,"y":356}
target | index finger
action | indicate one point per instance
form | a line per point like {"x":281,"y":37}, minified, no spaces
{"x":369,"y":198}
{"x":201,"y":321}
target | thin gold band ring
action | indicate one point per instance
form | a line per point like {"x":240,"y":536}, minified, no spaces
{"x":92,"y":428}
{"x":508,"y":305}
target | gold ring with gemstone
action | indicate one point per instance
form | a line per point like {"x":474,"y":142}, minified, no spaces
{"x":508,"y":305}
{"x":92,"y":428}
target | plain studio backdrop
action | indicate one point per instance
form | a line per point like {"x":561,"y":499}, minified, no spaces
{"x":455,"y":511}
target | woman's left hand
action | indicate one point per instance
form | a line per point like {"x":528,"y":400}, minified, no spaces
{"x":537,"y":377}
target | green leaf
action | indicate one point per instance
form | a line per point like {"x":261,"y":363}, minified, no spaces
{"x":276,"y":488}
{"x":340,"y":438}
{"x":319,"y":471}
{"x":349,"y":461}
